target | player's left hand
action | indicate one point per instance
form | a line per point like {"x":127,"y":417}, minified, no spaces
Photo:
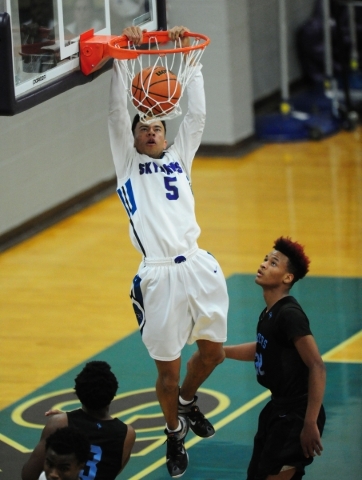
{"x":52,"y":412}
{"x":176,"y":33}
{"x":310,"y":440}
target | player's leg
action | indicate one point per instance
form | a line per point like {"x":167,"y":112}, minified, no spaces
{"x":167,"y":387}
{"x":208,"y":302}
{"x":176,"y":427}
{"x":209,"y":308}
{"x":200,"y":366}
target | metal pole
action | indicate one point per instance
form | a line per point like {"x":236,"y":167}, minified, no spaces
{"x":327,"y":39}
{"x":283,"y":37}
{"x":353,"y":33}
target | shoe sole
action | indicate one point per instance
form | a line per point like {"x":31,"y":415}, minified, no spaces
{"x":201,"y":436}
{"x":183,"y":473}
{"x":209,"y":436}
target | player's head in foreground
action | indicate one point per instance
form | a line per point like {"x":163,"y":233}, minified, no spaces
{"x":66,"y":452}
{"x":283,"y":266}
{"x":96,"y":385}
{"x":149,"y":138}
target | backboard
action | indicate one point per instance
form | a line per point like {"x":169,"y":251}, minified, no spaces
{"x":39,"y":43}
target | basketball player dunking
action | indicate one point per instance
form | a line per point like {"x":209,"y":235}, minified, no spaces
{"x":179,"y":293}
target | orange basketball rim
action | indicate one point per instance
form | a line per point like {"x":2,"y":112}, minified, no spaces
{"x":157,"y":50}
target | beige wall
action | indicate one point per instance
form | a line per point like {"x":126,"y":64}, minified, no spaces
{"x":53,"y":152}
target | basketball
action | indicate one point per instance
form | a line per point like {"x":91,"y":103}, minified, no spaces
{"x":155,"y":91}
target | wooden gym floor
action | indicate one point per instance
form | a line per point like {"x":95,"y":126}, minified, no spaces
{"x":64,"y":300}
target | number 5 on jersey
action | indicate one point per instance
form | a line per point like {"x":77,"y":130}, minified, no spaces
{"x":173,"y":195}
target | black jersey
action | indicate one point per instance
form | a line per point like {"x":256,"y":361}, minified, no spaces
{"x":107,"y":440}
{"x":278,"y":364}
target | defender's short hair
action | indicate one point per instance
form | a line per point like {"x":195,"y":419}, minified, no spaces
{"x":137,"y":119}
{"x":298,"y":262}
{"x":96,"y":385}
{"x":67,"y":441}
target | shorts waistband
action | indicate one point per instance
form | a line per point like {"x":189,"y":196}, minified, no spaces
{"x":171,"y":260}
{"x":289,"y":400}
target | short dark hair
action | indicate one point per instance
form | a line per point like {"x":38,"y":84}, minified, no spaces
{"x":298,"y":262}
{"x":67,"y":441}
{"x":96,"y":385}
{"x":137,"y":119}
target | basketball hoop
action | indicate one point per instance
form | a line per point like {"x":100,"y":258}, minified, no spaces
{"x":157,"y":50}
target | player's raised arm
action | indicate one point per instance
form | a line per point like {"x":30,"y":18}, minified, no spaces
{"x":119,"y":121}
{"x":189,"y":136}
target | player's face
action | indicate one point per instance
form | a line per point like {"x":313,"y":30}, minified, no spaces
{"x":149,"y":139}
{"x":61,"y":467}
{"x":273,"y":271}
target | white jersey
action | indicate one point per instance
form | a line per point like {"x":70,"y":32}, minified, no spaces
{"x":156,"y":193}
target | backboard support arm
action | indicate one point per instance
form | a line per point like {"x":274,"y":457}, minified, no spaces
{"x":9,"y":104}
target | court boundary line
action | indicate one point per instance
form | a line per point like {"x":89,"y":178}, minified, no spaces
{"x":341,"y":346}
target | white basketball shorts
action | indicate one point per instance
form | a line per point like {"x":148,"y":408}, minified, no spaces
{"x":180,"y":300}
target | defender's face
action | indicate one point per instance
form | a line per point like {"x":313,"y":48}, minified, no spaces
{"x":61,"y":467}
{"x":273,"y":271}
{"x":149,"y":139}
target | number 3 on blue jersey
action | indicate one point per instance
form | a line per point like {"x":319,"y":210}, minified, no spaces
{"x":171,"y":188}
{"x":92,"y":464}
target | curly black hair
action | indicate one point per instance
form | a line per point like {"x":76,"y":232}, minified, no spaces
{"x":96,"y":385}
{"x":69,"y":440}
{"x":298,"y":262}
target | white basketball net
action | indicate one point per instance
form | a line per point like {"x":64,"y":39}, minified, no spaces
{"x":180,"y":63}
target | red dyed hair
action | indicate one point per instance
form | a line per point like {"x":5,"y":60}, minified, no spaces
{"x":298,"y":262}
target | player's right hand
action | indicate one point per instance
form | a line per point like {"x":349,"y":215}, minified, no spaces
{"x":310,"y":440}
{"x":134,"y":34}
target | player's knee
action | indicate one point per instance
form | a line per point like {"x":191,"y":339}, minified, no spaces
{"x":213,"y":356}
{"x":218,"y":357}
{"x":168,"y":381}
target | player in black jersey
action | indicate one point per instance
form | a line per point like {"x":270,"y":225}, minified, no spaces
{"x":66,"y":452}
{"x":288,"y":363}
{"x":111,"y":439}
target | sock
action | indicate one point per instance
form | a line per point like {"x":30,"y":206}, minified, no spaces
{"x":184,"y":402}
{"x":177,"y":429}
